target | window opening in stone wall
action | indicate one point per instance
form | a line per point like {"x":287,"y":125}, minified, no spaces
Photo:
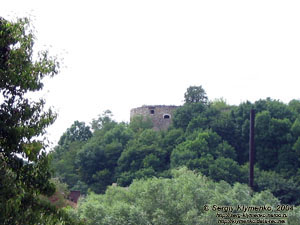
{"x":151,"y":111}
{"x":166,"y":116}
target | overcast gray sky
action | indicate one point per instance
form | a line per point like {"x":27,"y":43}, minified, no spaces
{"x":121,"y":54}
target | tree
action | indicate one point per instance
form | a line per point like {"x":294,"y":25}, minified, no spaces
{"x":63,"y":163}
{"x":177,"y":201}
{"x":195,"y":94}
{"x":97,"y":159}
{"x":272,"y":137}
{"x":183,"y":115}
{"x":225,"y":169}
{"x":205,"y":143}
{"x":139,"y":123}
{"x":294,"y":106}
{"x":296,"y":128}
{"x":22,"y":122}
{"x":286,"y":190}
{"x":104,"y":121}
{"x":77,"y":132}
{"x":142,"y":157}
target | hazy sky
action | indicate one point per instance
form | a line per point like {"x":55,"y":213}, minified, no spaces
{"x":121,"y":54}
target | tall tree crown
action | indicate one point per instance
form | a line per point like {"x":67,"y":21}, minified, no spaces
{"x":195,"y":94}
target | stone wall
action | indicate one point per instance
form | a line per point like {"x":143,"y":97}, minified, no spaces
{"x":161,"y":115}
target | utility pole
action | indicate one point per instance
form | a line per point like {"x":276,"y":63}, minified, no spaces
{"x":251,"y":149}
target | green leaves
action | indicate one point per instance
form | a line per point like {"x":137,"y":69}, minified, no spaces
{"x":201,"y":144}
{"x":177,"y":201}
{"x":21,"y":73}
{"x":32,"y":150}
{"x":22,"y":122}
{"x":195,"y":94}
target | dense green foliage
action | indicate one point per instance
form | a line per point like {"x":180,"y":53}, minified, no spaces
{"x":195,"y":94}
{"x":24,"y":166}
{"x":176,"y":201}
{"x":210,"y":137}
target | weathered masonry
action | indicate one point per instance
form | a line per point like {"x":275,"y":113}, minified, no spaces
{"x":161,"y":115}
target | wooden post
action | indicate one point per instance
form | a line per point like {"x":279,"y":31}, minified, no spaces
{"x":251,"y":149}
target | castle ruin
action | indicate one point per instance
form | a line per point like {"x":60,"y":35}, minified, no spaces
{"x":160,"y":115}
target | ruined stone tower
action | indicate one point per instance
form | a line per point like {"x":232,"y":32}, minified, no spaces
{"x":161,"y":115}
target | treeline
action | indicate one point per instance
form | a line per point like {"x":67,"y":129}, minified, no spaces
{"x":186,"y":198}
{"x":210,"y":137}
